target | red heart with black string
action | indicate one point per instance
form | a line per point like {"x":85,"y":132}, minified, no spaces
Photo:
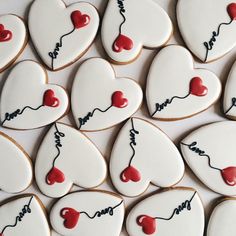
{"x":70,"y":216}
{"x":5,"y":35}
{"x":232,"y":11}
{"x":197,"y":88}
{"x":49,"y":99}
{"x":79,"y":20}
{"x":147,"y":223}
{"x":55,"y":176}
{"x":130,"y":173}
{"x":122,"y":42}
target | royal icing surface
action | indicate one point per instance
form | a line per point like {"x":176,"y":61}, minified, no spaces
{"x":12,"y":39}
{"x":65,"y":157}
{"x":15,"y":168}
{"x":63,"y":34}
{"x":177,"y":211}
{"x":23,"y":216}
{"x":213,"y":34}
{"x":210,"y":153}
{"x":175,"y":90}
{"x":126,"y":29}
{"x":230,"y":95}
{"x":27,"y":101}
{"x":88,"y":213}
{"x":222,"y":221}
{"x":143,"y":154}
{"x":99,"y":100}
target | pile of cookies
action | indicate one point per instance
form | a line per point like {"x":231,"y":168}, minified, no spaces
{"x":142,"y":154}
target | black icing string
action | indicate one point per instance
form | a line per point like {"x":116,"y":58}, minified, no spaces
{"x":11,"y":116}
{"x":209,"y":45}
{"x":160,"y":107}
{"x":193,"y":147}
{"x":59,"y":44}
{"x":179,"y":209}
{"x":122,"y":11}
{"x":58,"y":135}
{"x":25,"y":210}
{"x":108,"y":210}
{"x":85,"y":119}
{"x":233,"y":105}
{"x":133,"y":142}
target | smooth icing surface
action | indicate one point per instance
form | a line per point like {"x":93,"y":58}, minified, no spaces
{"x":27,"y":101}
{"x":88,"y":213}
{"x":222,"y":221}
{"x":15,"y":169}
{"x":178,"y":212}
{"x":213,"y":34}
{"x":73,"y":31}
{"x":142,"y":150}
{"x":68,"y":150}
{"x":175,"y":90}
{"x":210,"y":153}
{"x":126,"y":28}
{"x":23,"y":216}
{"x":99,"y":100}
{"x":12,"y":38}
{"x":229,"y":94}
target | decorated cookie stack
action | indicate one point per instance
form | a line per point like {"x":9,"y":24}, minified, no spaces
{"x":95,"y":190}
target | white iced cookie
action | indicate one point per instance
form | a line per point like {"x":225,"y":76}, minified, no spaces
{"x":27,"y":101}
{"x":230,"y":95}
{"x":88,"y":213}
{"x":212,"y":33}
{"x":13,"y":39}
{"x":99,"y":100}
{"x":222,"y":221}
{"x":15,"y":168}
{"x":23,"y":216}
{"x":175,"y":89}
{"x":143,"y":154}
{"x":126,"y":29}
{"x":210,"y":153}
{"x":63,"y":34}
{"x":177,"y":212}
{"x":67,"y":157}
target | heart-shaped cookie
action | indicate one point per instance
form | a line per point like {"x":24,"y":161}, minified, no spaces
{"x":177,"y":212}
{"x":175,"y":90}
{"x":211,"y":34}
{"x":128,"y":26}
{"x":63,"y":34}
{"x":15,"y":168}
{"x":13,"y":39}
{"x":23,"y":215}
{"x":222,"y":220}
{"x":99,"y":100}
{"x":88,"y":213}
{"x":143,"y":154}
{"x":229,"y":104}
{"x":210,"y":153}
{"x":27,"y":101}
{"x":67,"y":157}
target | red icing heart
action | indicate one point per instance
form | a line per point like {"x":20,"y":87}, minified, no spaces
{"x":122,"y":42}
{"x":1,"y":235}
{"x":197,"y":88}
{"x":71,"y":217}
{"x":130,"y":173}
{"x":147,"y":223}
{"x":79,"y":20}
{"x":55,"y":176}
{"x":5,"y":35}
{"x":49,"y":99}
{"x":118,"y":100}
{"x":229,"y":175}
{"x":232,"y":11}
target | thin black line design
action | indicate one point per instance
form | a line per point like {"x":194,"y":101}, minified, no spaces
{"x":55,"y":53}
{"x":193,"y":147}
{"x":9,"y":117}
{"x":209,"y":45}
{"x":26,"y":209}
{"x":84,"y":120}
{"x":233,"y":105}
